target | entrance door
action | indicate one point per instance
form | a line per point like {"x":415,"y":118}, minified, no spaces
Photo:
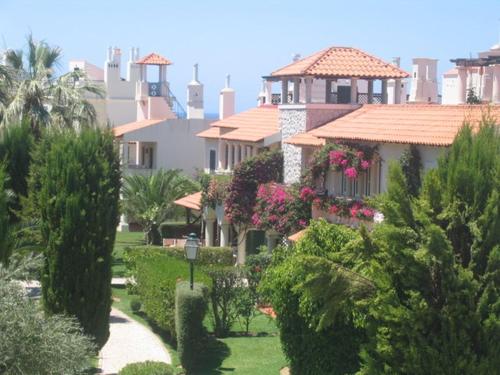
{"x":343,"y":94}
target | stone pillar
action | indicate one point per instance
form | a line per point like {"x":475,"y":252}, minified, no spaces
{"x":462,"y":84}
{"x":486,"y":84}
{"x":370,"y":91}
{"x":397,"y":91}
{"x":495,"y":94}
{"x":209,"y":232}
{"x":138,"y":160}
{"x":123,"y":225}
{"x":284,"y":91}
{"x":222,"y":154}
{"x":224,"y":235}
{"x":269,"y":92}
{"x":328,"y":90}
{"x":231,"y":156}
{"x":354,"y":90}
{"x":384,"y":91}
{"x":242,"y":246}
{"x":296,"y":90}
{"x":308,"y":83}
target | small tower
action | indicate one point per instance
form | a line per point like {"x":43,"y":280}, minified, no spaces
{"x":133,"y":69}
{"x":226,"y":100}
{"x":424,"y":88}
{"x":112,"y":65}
{"x":195,"y":97}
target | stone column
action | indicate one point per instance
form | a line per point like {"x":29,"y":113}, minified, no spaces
{"x":308,"y":82}
{"x":462,"y":84}
{"x":354,"y":90}
{"x":231,"y":156}
{"x":138,"y":160}
{"x":397,"y":91}
{"x":296,"y":90}
{"x":486,"y":84}
{"x":370,"y":91}
{"x":495,"y":94}
{"x":224,"y":235}
{"x":209,"y":232}
{"x":328,"y":90}
{"x":284,"y":91}
{"x":242,"y":246}
{"x":384,"y":91}
{"x":222,"y":154}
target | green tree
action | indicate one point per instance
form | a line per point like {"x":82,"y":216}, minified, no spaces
{"x":74,"y":190}
{"x":33,"y":343}
{"x":36,"y":94}
{"x":5,"y":227}
{"x":411,"y":164}
{"x":150,"y":199}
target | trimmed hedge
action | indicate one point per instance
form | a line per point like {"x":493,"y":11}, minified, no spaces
{"x":156,"y":277}
{"x":178,"y":230}
{"x":222,"y":256}
{"x":190,"y":309}
{"x":147,"y":368}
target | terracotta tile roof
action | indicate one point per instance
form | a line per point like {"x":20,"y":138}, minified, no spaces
{"x":426,"y":124}
{"x":341,"y":62}
{"x":297,"y":236}
{"x":132,"y":126}
{"x":305,"y":139}
{"x":154,"y":59}
{"x":211,"y":132}
{"x":192,"y":201}
{"x":250,"y":126}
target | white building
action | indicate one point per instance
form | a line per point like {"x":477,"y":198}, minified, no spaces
{"x":481,"y":75}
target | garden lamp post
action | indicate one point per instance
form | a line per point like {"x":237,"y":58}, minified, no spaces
{"x":191,"y":248}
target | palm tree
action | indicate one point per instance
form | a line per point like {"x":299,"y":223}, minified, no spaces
{"x":38,"y":95}
{"x":150,"y":199}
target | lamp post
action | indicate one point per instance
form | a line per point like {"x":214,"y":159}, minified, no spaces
{"x":191,"y":248}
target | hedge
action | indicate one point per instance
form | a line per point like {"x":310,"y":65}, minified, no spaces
{"x":147,"y":368}
{"x":222,"y":256}
{"x":190,"y":309}
{"x":178,"y":230}
{"x":156,"y":277}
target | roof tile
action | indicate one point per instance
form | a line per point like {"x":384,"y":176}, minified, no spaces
{"x":154,"y":59}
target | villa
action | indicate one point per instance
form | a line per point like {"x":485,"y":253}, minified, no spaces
{"x":338,"y":94}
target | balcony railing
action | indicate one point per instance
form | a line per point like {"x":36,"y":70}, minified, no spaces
{"x":362,"y":98}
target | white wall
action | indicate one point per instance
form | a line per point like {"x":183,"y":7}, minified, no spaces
{"x":177,"y":145}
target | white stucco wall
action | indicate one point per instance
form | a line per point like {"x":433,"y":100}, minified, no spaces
{"x":177,"y":145}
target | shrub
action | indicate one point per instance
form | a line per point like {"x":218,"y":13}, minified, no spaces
{"x":245,"y":306}
{"x":147,"y":368}
{"x":178,"y":230}
{"x":156,"y":277}
{"x":5,"y":230}
{"x":135,"y":305}
{"x":225,"y":281}
{"x":74,"y":190}
{"x":190,"y":310}
{"x":255,"y":267}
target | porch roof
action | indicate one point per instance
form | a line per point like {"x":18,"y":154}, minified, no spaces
{"x":341,"y":62}
{"x":426,"y":124}
{"x":119,"y":131}
{"x":192,"y":201}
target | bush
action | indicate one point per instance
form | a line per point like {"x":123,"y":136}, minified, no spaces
{"x":156,"y":277}
{"x":225,"y":282}
{"x":245,"y":306}
{"x":178,"y":230}
{"x":147,"y":368}
{"x":255,"y":267}
{"x":74,"y":191}
{"x":135,"y":305}
{"x":190,"y":310}
{"x":222,"y":256}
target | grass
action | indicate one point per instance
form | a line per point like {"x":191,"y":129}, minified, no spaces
{"x":259,"y":353}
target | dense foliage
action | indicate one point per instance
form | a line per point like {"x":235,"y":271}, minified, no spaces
{"x":74,"y":191}
{"x":5,"y":226}
{"x":247,"y":176}
{"x":279,"y":208}
{"x":32,"y":343}
{"x":344,"y":207}
{"x":310,"y":350}
{"x":214,"y":189}
{"x":149,"y":200}
{"x":156,"y":277}
{"x":147,"y":368}
{"x":411,"y":164}
{"x":178,"y":230}
{"x":190,"y":309}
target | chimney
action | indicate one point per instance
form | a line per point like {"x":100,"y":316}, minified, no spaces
{"x":226,"y":100}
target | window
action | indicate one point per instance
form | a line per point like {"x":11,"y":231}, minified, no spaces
{"x":212,"y":160}
{"x":368,"y":178}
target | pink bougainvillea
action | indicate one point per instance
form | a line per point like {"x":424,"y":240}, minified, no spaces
{"x":306,"y":194}
{"x":365,"y":164}
{"x":351,"y":173}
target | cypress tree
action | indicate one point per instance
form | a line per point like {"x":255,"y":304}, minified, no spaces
{"x":74,"y":189}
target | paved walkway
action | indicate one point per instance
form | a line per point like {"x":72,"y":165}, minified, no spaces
{"x":129,"y":342}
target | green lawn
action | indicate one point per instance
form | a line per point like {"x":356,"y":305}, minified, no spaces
{"x":260,"y":353}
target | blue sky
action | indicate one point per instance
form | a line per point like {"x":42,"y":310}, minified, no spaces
{"x":249,"y":39}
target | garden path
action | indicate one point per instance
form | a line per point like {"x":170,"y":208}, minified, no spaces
{"x":129,"y":342}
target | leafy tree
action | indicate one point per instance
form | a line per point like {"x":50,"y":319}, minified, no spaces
{"x":74,"y":191}
{"x":31,"y":342}
{"x":411,"y":164}
{"x":150,"y":199}
{"x":36,"y":94}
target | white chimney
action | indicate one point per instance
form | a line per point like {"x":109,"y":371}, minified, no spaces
{"x":226,"y":100}
{"x":424,"y":87}
{"x":195,"y":97}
